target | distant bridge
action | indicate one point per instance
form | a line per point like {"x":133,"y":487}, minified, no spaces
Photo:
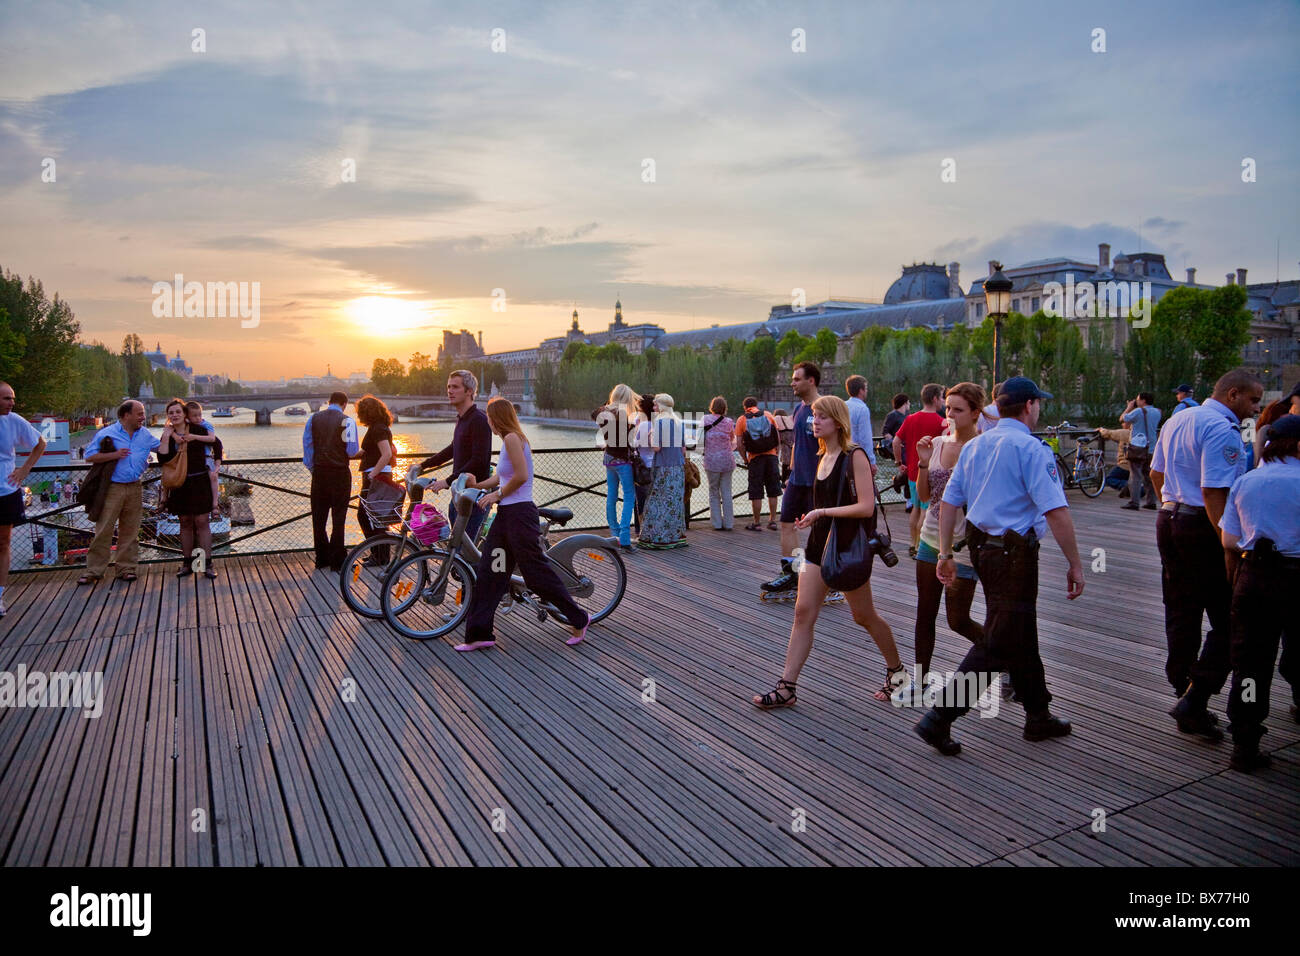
{"x":263,"y":404}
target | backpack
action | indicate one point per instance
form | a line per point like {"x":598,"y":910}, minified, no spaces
{"x":759,"y":435}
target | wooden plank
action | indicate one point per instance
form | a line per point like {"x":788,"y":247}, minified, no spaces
{"x":34,"y":784}
{"x":194,"y":823}
{"x":112,"y":844}
{"x":155,"y":813}
{"x":314,"y":837}
{"x":269,"y":820}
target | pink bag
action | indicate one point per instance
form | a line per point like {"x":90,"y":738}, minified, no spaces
{"x":428,"y":524}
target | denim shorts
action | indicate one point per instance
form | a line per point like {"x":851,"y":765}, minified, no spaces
{"x":930,"y":556}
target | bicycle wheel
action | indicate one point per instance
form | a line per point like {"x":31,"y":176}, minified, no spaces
{"x":604,"y":581}
{"x":1064,"y":475}
{"x":362,"y":580}
{"x":1090,"y":473}
{"x":427,"y":594}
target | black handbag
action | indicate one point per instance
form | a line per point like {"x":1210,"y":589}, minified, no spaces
{"x":847,"y":567}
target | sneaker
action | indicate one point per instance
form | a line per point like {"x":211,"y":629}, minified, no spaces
{"x":1131,"y":506}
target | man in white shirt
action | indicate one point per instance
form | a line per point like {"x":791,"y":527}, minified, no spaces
{"x":15,"y":432}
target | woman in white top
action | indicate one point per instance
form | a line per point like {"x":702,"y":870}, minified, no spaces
{"x":514,"y":537}
{"x":936,"y":459}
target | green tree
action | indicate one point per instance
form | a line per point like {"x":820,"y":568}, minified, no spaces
{"x":761,"y":356}
{"x":46,"y":331}
{"x":137,"y":367}
{"x":1215,"y":322}
{"x":12,"y":349}
{"x":388,"y":376}
{"x":544,"y":386}
{"x":790,"y":345}
{"x":1099,"y":391}
{"x":820,"y":349}
{"x":167,"y":383}
{"x":100,"y":380}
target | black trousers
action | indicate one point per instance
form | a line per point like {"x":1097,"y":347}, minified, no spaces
{"x":330,"y":490}
{"x":1263,"y":610}
{"x":1010,"y":579}
{"x":368,"y":528}
{"x":1194,"y":580}
{"x":515,"y":536}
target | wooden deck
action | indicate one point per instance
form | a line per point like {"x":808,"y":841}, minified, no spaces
{"x":227,"y":737}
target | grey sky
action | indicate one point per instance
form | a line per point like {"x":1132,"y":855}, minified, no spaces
{"x":523,"y":169}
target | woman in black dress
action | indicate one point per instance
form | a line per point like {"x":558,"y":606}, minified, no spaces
{"x":376,"y":463}
{"x":192,"y":501}
{"x":838,"y":456}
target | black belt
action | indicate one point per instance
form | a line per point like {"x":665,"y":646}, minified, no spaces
{"x":980,"y":538}
{"x":1177,"y":508}
{"x":1272,"y":559}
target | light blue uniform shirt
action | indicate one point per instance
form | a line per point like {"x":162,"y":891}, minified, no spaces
{"x":1007,"y":479}
{"x":1144,"y":420}
{"x":860,"y":426}
{"x":132,"y":467}
{"x":15,"y":432}
{"x":1265,"y":503}
{"x":1200,"y":448}
{"x":1186,"y":403}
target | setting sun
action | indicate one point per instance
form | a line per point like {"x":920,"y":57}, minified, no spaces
{"x":388,"y":314}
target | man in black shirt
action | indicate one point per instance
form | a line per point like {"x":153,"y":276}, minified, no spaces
{"x":471,"y":444}
{"x":893,"y":422}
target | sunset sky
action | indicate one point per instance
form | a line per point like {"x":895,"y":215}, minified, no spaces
{"x":522,"y":170}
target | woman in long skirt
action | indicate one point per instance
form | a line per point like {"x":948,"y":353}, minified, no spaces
{"x":664,"y":524}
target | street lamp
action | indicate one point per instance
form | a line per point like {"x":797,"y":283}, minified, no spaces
{"x":997,"y":296}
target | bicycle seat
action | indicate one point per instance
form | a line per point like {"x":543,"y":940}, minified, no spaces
{"x":558,"y":516}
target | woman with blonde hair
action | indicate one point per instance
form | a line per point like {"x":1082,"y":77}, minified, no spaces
{"x":844,"y":493}
{"x":616,"y":421}
{"x":514,"y":534}
{"x":664,"y":524}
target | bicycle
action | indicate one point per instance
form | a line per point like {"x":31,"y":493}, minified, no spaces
{"x":361,"y":581}
{"x":428,"y":594}
{"x":1088,"y":471}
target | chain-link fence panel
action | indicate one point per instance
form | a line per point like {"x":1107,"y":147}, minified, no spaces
{"x":264,"y":505}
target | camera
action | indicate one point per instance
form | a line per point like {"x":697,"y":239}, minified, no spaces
{"x":880,"y":546}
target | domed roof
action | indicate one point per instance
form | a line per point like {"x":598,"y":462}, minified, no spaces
{"x":919,"y":282}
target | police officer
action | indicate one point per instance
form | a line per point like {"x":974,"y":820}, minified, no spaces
{"x":1197,"y":458}
{"x":1185,"y":401}
{"x":1261,"y":522}
{"x":1008,"y":481}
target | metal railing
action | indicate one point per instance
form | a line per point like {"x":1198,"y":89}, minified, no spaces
{"x":265,"y":506}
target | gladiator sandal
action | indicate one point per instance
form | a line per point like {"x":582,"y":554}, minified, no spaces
{"x":895,"y":677}
{"x":776,"y":698}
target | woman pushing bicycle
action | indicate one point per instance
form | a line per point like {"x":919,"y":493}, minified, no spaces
{"x":513,"y":538}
